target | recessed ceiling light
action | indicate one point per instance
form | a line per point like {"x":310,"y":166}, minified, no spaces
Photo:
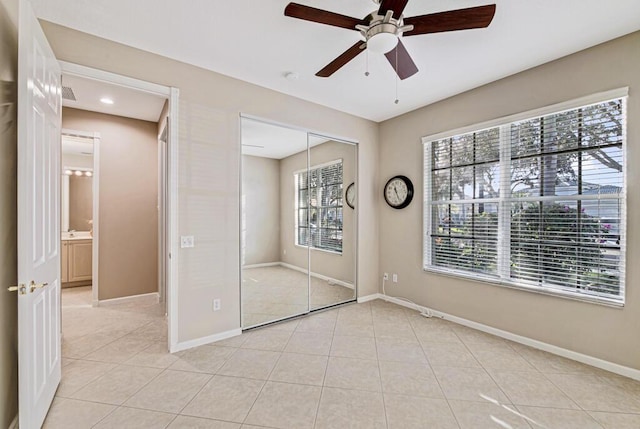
{"x":106,"y":100}
{"x":291,"y":76}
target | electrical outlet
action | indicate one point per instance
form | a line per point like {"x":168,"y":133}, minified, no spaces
{"x":395,"y":278}
{"x":386,"y":276}
{"x":187,"y":241}
{"x":216,"y":304}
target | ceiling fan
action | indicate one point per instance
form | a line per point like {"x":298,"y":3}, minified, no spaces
{"x":383,"y":29}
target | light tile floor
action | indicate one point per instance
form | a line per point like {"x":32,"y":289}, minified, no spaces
{"x":373,"y":365}
{"x":276,"y":292}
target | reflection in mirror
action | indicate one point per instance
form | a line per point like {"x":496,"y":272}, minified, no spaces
{"x":271,"y":288}
{"x":77,"y":184}
{"x":330,"y":231}
{"x":298,"y":246}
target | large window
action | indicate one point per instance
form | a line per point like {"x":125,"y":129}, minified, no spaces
{"x":535,"y":203}
{"x":319,"y":207}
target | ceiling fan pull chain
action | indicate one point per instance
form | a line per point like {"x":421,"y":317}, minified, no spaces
{"x":366,"y":73}
{"x":397,"y":101}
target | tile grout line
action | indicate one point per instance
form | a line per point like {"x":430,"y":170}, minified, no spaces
{"x":484,"y":369}
{"x":211,"y":377}
{"x":384,"y":403}
{"x":580,"y":407}
{"x":455,"y":417}
{"x":326,"y":368}
{"x":268,"y":377}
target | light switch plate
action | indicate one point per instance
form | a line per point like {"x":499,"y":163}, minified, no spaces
{"x":186,"y":241}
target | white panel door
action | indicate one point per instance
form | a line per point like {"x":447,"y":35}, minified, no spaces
{"x":39,"y":120}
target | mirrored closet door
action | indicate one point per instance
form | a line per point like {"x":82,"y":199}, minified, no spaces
{"x":298,"y":231}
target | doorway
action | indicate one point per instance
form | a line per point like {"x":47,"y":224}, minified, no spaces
{"x":298,"y":222}
{"x":131,"y":219}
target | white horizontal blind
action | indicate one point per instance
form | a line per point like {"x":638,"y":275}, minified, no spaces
{"x":319,"y":207}
{"x":555,"y":223}
{"x":465,"y":201}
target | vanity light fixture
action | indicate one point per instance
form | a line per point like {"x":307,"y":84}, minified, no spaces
{"x":106,"y":100}
{"x":69,"y":172}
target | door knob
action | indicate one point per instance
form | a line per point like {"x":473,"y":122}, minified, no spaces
{"x":35,"y":286}
{"x":21,"y":289}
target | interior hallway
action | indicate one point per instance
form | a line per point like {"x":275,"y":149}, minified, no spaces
{"x":372,"y":365}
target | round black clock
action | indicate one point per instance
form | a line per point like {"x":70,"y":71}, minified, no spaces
{"x":350,"y":195}
{"x":398,"y":192}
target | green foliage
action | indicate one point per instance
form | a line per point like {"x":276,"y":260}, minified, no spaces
{"x":471,"y":245}
{"x":555,"y":243}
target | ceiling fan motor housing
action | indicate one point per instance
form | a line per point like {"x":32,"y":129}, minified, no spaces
{"x":382,"y":33}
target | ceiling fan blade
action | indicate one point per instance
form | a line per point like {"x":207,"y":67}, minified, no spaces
{"x":309,"y":13}
{"x":461,"y":19}
{"x":343,"y":59}
{"x":401,"y":61}
{"x":397,"y":6}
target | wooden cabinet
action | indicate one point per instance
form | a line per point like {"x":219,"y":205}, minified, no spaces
{"x":76,"y":260}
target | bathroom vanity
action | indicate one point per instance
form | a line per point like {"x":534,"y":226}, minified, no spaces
{"x":76,"y":261}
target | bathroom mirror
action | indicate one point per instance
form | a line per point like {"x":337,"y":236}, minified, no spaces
{"x":298,"y":236}
{"x":77,"y":184}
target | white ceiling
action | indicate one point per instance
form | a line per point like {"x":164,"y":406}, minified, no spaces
{"x":252,"y":40}
{"x":127,"y":102}
{"x":274,"y":141}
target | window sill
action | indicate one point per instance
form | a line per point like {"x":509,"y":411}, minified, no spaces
{"x":315,"y":249}
{"x":483,"y":278}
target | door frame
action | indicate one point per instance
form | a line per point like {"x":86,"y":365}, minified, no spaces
{"x":95,"y":205}
{"x":170,"y":177}
{"x":163,"y":141}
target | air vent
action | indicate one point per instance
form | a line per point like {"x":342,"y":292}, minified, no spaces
{"x":67,"y":93}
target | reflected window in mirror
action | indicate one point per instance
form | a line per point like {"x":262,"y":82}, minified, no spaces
{"x":319,"y":207}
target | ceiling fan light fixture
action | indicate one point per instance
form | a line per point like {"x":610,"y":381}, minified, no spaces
{"x":382,"y":43}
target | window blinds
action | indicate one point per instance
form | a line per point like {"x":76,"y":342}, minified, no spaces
{"x":537,"y":203}
{"x":319,"y":207}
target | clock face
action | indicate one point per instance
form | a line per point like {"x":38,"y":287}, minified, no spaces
{"x":398,"y":192}
{"x":350,"y":195}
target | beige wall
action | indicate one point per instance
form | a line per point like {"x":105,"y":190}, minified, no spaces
{"x":209,"y":178}
{"x":604,"y":332}
{"x":337,"y":266}
{"x":8,"y":215}
{"x":128,"y":189}
{"x":261,"y":210}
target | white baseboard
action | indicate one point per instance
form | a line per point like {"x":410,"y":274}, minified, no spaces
{"x":205,"y":340}
{"x":14,"y":423}
{"x":367,"y":298}
{"x":151,"y":298}
{"x":569,"y":354}
{"x":329,"y":280}
{"x":266,"y":264}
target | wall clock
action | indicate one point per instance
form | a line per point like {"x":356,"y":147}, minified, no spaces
{"x":398,"y":192}
{"x":350,"y":195}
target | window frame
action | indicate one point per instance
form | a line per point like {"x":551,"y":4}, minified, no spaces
{"x":297,"y":208}
{"x":502,"y":277}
